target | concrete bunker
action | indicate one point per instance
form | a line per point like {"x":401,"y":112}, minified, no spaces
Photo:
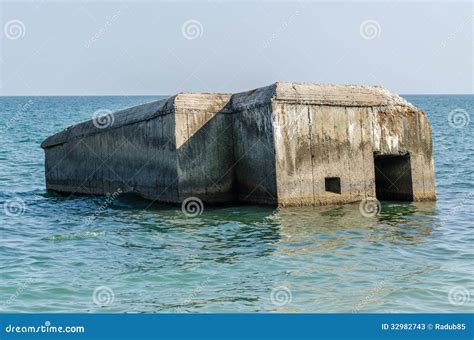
{"x":286,"y":144}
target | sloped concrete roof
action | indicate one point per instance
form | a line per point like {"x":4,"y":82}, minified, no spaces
{"x":123,"y":117}
{"x":318,"y":94}
{"x":138,"y":113}
{"x":315,"y":94}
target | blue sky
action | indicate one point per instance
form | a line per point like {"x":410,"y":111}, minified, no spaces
{"x":152,"y":48}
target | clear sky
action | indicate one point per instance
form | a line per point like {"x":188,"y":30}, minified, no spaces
{"x":154,"y":48}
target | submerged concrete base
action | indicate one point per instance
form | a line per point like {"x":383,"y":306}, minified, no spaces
{"x":286,"y":144}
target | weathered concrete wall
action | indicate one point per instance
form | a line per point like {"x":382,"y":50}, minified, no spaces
{"x":324,"y":141}
{"x":87,"y":159}
{"x":165,"y":150}
{"x":204,"y":147}
{"x":254,"y":150}
{"x":91,"y":160}
{"x":333,"y":131}
{"x":400,"y":130}
{"x":280,"y":145}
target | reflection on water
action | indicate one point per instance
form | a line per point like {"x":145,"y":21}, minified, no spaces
{"x":397,"y":222}
{"x":231,"y":259}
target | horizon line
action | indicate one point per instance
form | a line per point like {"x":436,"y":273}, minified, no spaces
{"x":169,"y":95}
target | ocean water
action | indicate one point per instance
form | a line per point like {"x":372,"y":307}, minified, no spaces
{"x":412,"y":257}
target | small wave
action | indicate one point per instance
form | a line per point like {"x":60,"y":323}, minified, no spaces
{"x":75,"y":236}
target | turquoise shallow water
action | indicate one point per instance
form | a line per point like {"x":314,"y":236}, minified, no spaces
{"x":413,"y":257}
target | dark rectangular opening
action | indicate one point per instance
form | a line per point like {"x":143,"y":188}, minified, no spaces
{"x":393,"y":177}
{"x":333,"y":184}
